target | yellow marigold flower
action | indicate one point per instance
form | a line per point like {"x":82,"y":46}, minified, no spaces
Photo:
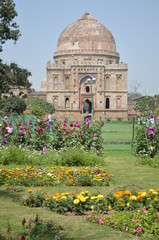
{"x":134,"y":198}
{"x":138,"y":211}
{"x":17,"y":169}
{"x":76,"y":201}
{"x":93,"y":198}
{"x":47,"y":199}
{"x":82,"y":199}
{"x":30,"y":190}
{"x":150,"y":206}
{"x":100,"y":197}
{"x":143,"y":194}
{"x":154,"y":193}
{"x":151,"y":190}
{"x":6,"y":184}
{"x":82,"y":193}
{"x":155,"y":199}
{"x":92,"y":207}
{"x":109,"y":208}
{"x":63,"y":197}
{"x":148,"y":199}
{"x":157,"y":190}
{"x":128,"y":204}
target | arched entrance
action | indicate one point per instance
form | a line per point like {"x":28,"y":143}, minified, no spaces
{"x":87,"y":106}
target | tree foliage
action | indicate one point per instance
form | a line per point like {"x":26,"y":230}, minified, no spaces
{"x":39,"y":107}
{"x":148,"y":105}
{"x":12,"y":104}
{"x":9,"y":30}
{"x":12,"y":75}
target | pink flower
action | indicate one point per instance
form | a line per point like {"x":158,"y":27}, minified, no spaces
{"x":157,"y":118}
{"x":127,"y":229}
{"x":96,"y":217}
{"x":155,"y":223}
{"x":100,"y":221}
{"x":139,"y":230}
{"x":134,"y":221}
{"x":144,"y":209}
{"x":89,"y":215}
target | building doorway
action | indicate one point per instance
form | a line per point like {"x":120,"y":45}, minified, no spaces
{"x":87,"y":106}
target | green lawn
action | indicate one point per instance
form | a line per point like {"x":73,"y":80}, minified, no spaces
{"x":119,"y":160}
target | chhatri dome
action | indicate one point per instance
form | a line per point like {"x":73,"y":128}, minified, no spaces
{"x":86,"y":33}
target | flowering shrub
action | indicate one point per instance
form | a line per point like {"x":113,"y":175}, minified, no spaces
{"x":147,"y":137}
{"x":38,"y":229}
{"x":55,"y":176}
{"x":143,"y":223}
{"x":85,"y":134}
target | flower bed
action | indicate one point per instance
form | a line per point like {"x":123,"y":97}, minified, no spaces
{"x":54,"y":176}
{"x":141,"y":223}
{"x":84,"y":201}
{"x":62,"y":135}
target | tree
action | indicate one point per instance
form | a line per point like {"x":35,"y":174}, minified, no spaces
{"x":148,"y":105}
{"x":12,"y":75}
{"x":134,"y":90}
{"x":35,"y":104}
{"x":12,"y":104}
{"x":9,"y":30}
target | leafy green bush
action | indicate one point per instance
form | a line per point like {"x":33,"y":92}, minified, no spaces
{"x":78,"y":157}
{"x":35,"y":103}
{"x":13,"y":104}
{"x":37,"y":111}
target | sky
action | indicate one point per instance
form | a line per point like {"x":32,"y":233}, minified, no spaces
{"x":133,"y":23}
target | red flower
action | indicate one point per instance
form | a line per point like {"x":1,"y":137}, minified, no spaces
{"x":22,"y":237}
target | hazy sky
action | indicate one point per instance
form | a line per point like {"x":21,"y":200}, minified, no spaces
{"x":133,"y":23}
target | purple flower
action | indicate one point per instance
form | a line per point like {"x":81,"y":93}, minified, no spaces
{"x":151,"y":133}
{"x":49,"y":126}
{"x":139,"y":230}
{"x":71,"y":124}
{"x":74,"y":129}
{"x":22,"y":237}
{"x":102,"y":124}
{"x":151,"y":116}
{"x":30,"y":122}
{"x":94,"y":135}
{"x":4,"y":140}
{"x":87,"y":121}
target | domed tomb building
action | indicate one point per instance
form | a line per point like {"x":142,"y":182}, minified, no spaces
{"x":86,"y":68}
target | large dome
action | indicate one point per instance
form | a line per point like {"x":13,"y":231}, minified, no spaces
{"x":86,"y":34}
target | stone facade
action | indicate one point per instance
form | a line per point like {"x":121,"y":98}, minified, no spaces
{"x":86,"y":66}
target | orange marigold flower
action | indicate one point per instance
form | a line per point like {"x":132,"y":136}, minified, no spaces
{"x":24,"y":203}
{"x":120,"y":200}
{"x":6,"y":184}
{"x":30,"y":190}
{"x":128,"y":193}
{"x":157,"y":190}
{"x":138,"y":197}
